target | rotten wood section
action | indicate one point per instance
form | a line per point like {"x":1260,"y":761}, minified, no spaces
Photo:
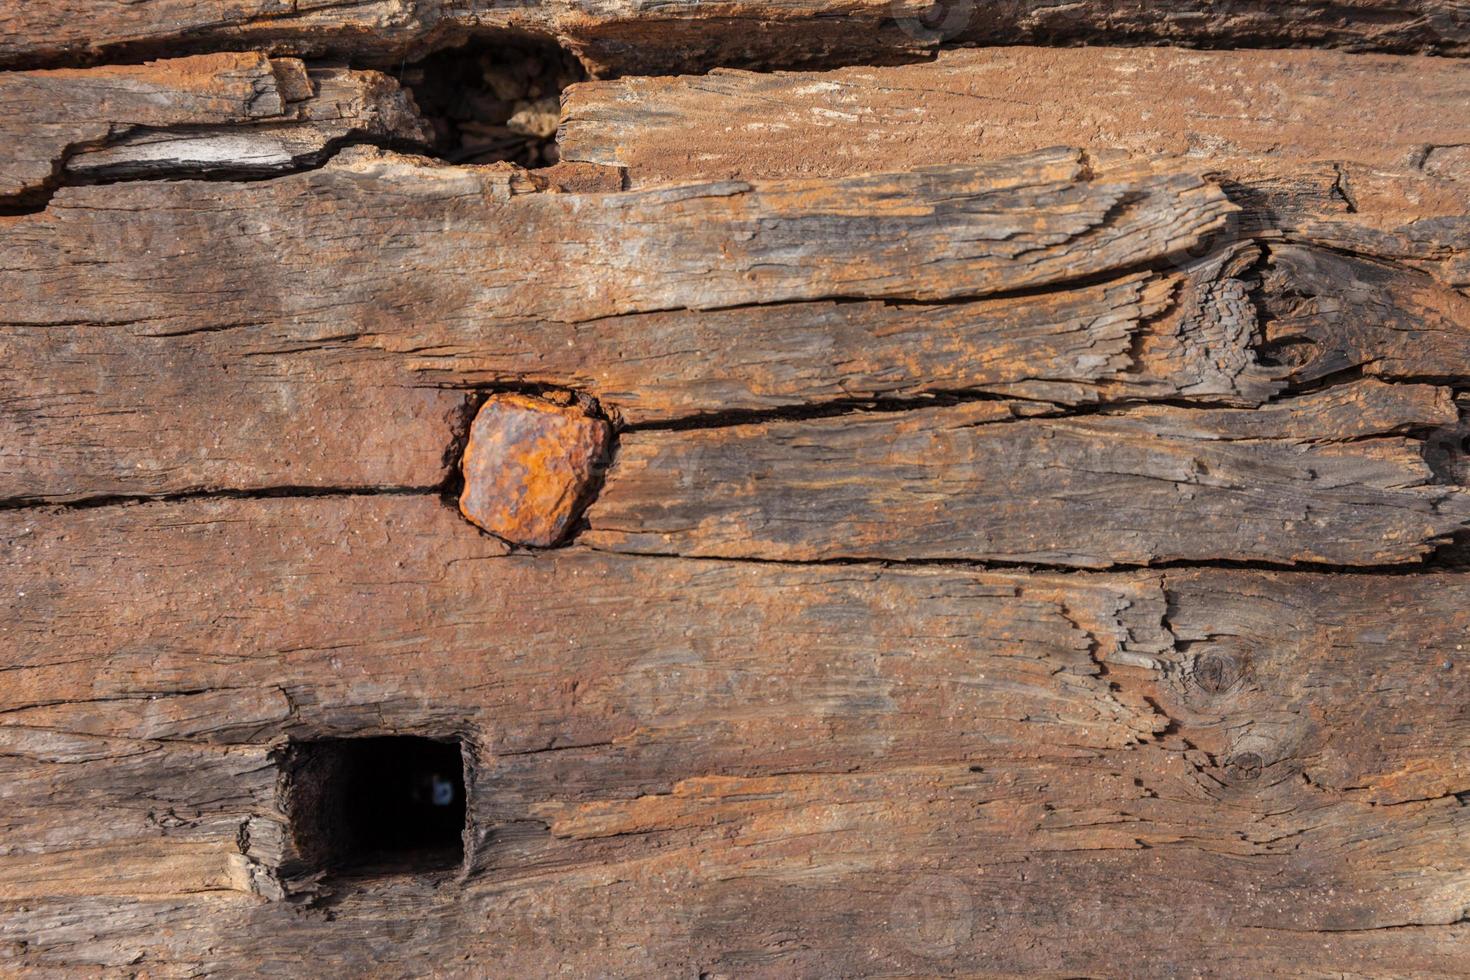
{"x":896,"y":769}
{"x":334,"y":356}
{"x":623,"y":36}
{"x":219,"y":113}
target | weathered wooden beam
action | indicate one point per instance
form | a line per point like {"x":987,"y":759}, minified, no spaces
{"x":766,"y":713}
{"x":230,"y":113}
{"x":690,"y":35}
{"x":1328,"y":477}
{"x":485,"y":250}
{"x":757,"y":737}
{"x":288,"y":403}
{"x":194,"y":306}
{"x":1238,"y":113}
{"x":347,"y":392}
{"x":1386,"y":177}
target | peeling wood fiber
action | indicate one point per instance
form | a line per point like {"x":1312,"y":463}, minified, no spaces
{"x":236,"y":113}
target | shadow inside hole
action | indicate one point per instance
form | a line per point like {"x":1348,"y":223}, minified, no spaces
{"x":380,"y":805}
{"x":494,"y":102}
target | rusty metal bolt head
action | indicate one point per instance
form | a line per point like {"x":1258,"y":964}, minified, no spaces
{"x":530,"y":466}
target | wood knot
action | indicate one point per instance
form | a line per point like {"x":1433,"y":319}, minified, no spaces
{"x":1245,"y":767}
{"x":1216,"y":671}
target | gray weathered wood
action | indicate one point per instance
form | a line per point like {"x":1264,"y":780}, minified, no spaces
{"x":1329,"y":477}
{"x":622,"y":36}
{"x":219,"y":113}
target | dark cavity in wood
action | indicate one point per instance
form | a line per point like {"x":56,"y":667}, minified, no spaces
{"x":492,"y":102}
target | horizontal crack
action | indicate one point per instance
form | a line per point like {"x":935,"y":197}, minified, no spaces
{"x":1431,"y":565}
{"x":231,"y":493}
{"x":1426,"y":566}
{"x":38,"y":200}
{"x":936,"y":398}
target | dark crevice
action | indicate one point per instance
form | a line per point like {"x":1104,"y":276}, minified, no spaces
{"x":1452,"y":556}
{"x":1428,"y":566}
{"x":487,"y":102}
{"x":1341,"y":189}
{"x":492,"y":102}
{"x":374,"y":806}
{"x":935,"y":398}
{"x":32,"y":201}
{"x":38,"y":200}
{"x":453,"y":485}
{"x":308,"y":45}
{"x":1046,"y":410}
{"x":233,"y":493}
{"x":1333,"y":379}
{"x":600,"y":473}
{"x":817,"y":41}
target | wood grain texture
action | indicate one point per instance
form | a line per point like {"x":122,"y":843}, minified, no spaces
{"x":231,"y":113}
{"x":381,"y":408}
{"x":1241,"y":113}
{"x":968,"y":757}
{"x":353,"y":394}
{"x":1361,"y":152}
{"x":963,"y":232}
{"x":1014,"y":560}
{"x":622,"y":36}
{"x":1328,"y":313}
{"x":1329,"y":477}
{"x":333,"y":359}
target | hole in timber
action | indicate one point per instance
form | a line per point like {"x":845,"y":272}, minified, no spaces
{"x":380,"y":805}
{"x":493,"y":102}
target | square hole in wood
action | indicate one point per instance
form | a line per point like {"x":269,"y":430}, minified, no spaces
{"x":379,"y":805}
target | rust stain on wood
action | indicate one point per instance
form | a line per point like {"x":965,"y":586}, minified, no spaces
{"x":530,"y":466}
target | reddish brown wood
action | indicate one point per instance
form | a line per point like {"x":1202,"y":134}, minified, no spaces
{"x":913,"y":548}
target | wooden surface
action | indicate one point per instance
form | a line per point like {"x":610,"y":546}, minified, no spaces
{"x":621,"y":36}
{"x":842,"y":742}
{"x":999,"y":515}
{"x":231,"y":113}
{"x":207,"y":290}
{"x":1322,"y":477}
{"x":1242,"y":113}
